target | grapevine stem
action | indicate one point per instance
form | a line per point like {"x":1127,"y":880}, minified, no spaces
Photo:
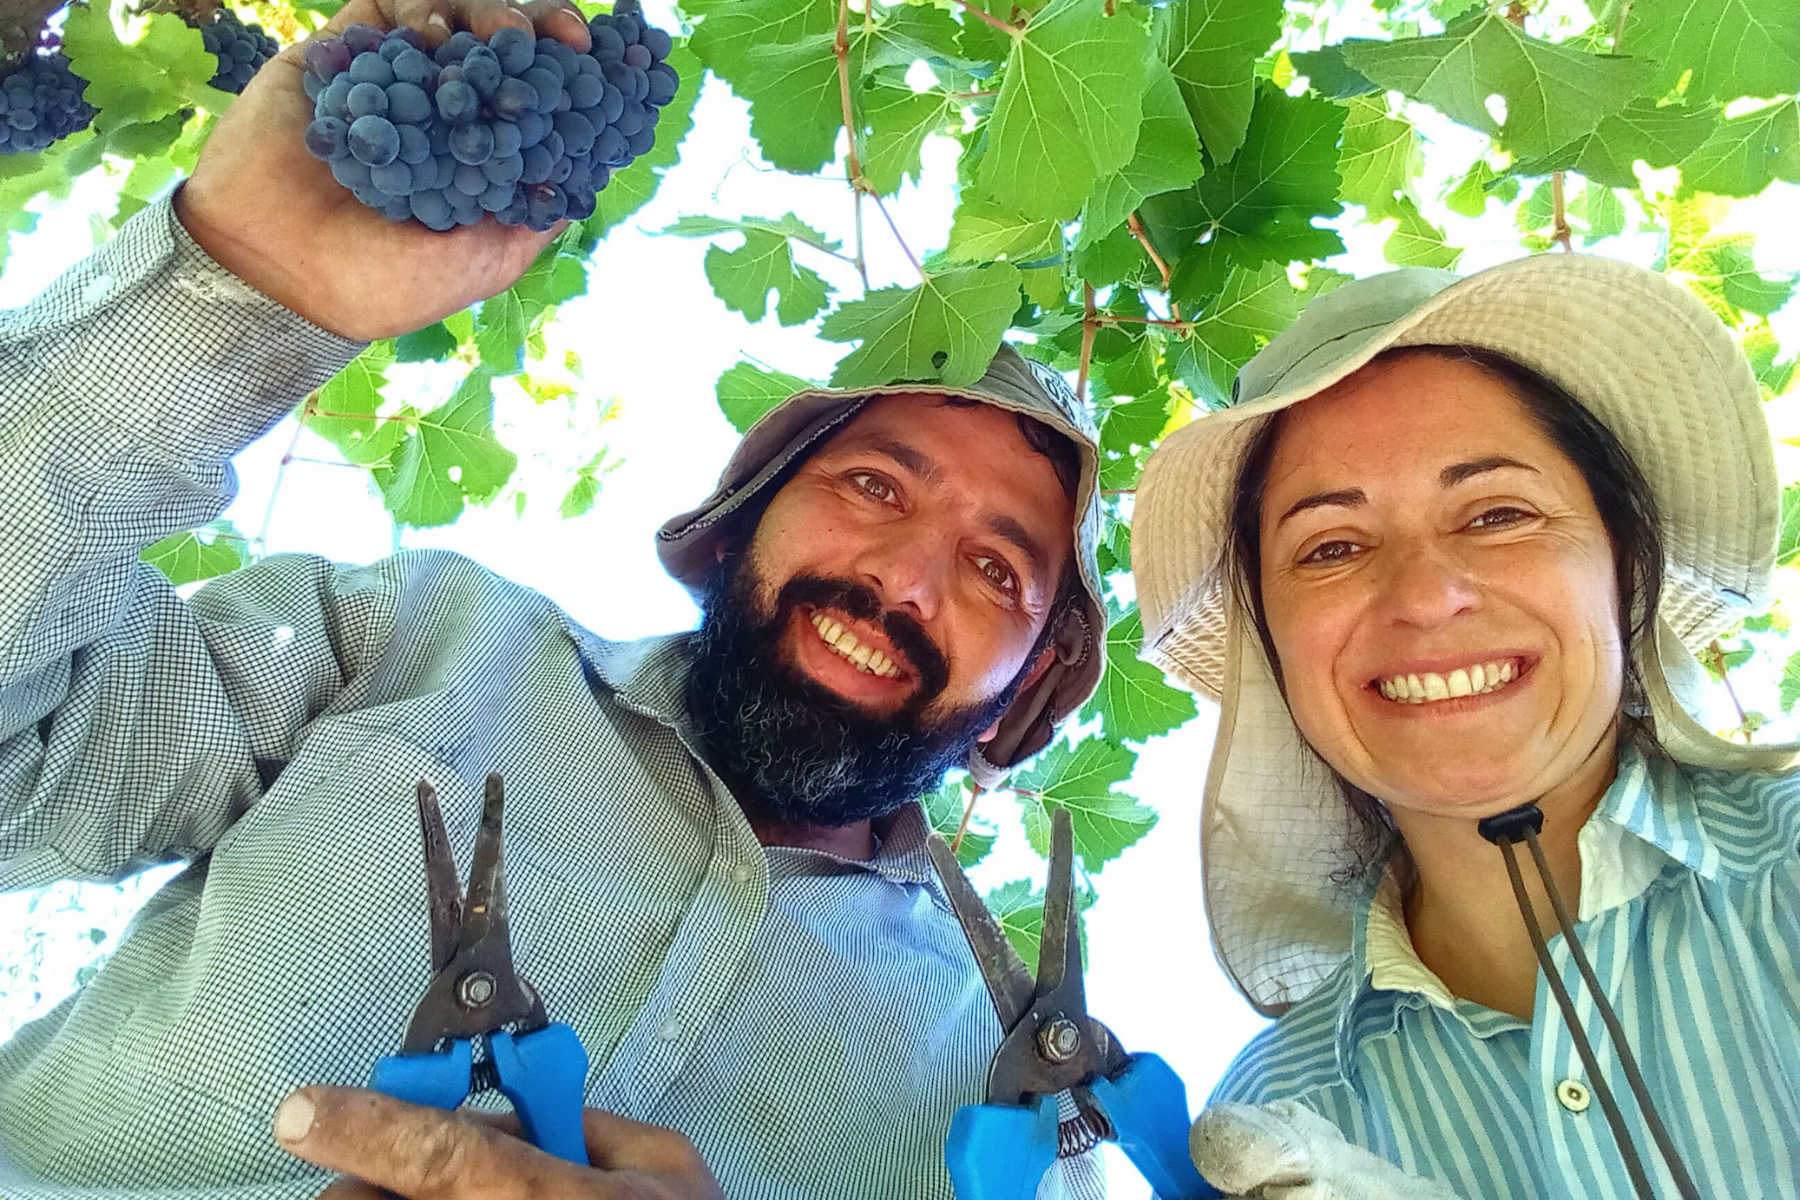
{"x":907,"y":250}
{"x":1088,"y":325}
{"x":1717,"y":654}
{"x":1137,"y":231}
{"x":982,"y":14}
{"x":1110,"y":319}
{"x":862,"y":262}
{"x":1619,"y":30}
{"x":1559,"y":229}
{"x":970,"y":95}
{"x":840,"y":46}
{"x":968,"y":812}
{"x":262,"y":537}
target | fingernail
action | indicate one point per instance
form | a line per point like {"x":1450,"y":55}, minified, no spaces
{"x":438,"y":20}
{"x":294,"y":1119}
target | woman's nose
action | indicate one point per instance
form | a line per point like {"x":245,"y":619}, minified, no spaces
{"x":1426,"y":588}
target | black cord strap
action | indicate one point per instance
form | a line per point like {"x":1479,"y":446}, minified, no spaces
{"x":1684,"y":1183}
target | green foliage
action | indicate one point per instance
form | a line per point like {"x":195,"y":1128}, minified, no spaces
{"x":1133,"y":702}
{"x":1082,"y":779}
{"x":1211,"y":47}
{"x":747,"y":391}
{"x":945,"y":330}
{"x":944,"y":810}
{"x":1019,"y":907}
{"x":744,"y":277}
{"x":197,"y":554}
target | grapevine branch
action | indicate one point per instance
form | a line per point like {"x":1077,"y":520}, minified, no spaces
{"x":904,"y":248}
{"x":982,"y":14}
{"x":1137,"y":231}
{"x":1089,"y":323}
{"x":968,"y":812}
{"x":840,"y":47}
{"x":1716,"y":653}
{"x":262,"y":537}
{"x":1559,"y":227}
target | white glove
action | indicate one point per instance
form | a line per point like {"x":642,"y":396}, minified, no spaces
{"x":1286,"y":1151}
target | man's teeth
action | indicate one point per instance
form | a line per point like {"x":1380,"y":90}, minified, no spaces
{"x":864,"y":659}
{"x":1477,"y":680}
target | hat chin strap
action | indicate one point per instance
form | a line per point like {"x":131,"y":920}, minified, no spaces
{"x":1522,"y":824}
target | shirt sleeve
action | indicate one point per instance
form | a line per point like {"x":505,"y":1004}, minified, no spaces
{"x":125,"y":387}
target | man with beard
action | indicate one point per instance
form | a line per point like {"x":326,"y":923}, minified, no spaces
{"x":715,"y":865}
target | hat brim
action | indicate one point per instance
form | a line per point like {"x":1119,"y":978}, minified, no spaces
{"x":1644,"y":356}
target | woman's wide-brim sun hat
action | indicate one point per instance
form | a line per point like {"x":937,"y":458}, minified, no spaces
{"x":1641,"y":353}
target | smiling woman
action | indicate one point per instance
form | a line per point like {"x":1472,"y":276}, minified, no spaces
{"x":1444,"y":564}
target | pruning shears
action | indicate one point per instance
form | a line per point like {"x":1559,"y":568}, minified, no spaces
{"x":480,"y":1026}
{"x":1000,"y":1150}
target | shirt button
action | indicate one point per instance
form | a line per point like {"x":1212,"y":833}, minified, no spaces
{"x":671,"y":1030}
{"x":740,"y":874}
{"x":1573,"y":1095}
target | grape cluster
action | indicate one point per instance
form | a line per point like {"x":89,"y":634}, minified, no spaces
{"x":40,"y":103}
{"x":241,"y":50}
{"x":523,"y":128}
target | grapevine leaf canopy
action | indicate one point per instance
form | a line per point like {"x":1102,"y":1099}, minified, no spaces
{"x":897,"y":120}
{"x":196,"y":554}
{"x":744,"y":277}
{"x":945,"y":330}
{"x":1211,"y":47}
{"x":449,"y":459}
{"x":167,"y":70}
{"x":346,"y":413}
{"x":1069,"y":108}
{"x":731,"y":32}
{"x":1659,"y":135}
{"x":1167,"y":158}
{"x":1133,"y":702}
{"x":1416,"y":242}
{"x":983,"y":232}
{"x":1019,"y":908}
{"x":1105,"y":822}
{"x":1746,"y":153}
{"x":747,"y":391}
{"x":1553,"y":94}
{"x":1255,"y":305}
{"x":1380,"y":158}
{"x":1732,"y":47}
{"x":944,"y":809}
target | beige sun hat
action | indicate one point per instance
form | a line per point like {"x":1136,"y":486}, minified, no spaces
{"x":1640,"y":352}
{"x":688,"y":545}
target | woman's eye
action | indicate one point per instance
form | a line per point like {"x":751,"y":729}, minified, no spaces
{"x":1329,"y":552}
{"x":1499,"y":518}
{"x":874,"y":485}
{"x":998,"y":574}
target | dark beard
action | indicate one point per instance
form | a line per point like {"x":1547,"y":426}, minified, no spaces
{"x":795,"y":751}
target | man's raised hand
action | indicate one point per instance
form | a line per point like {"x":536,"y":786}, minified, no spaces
{"x":272,"y":214}
{"x":427,"y":1154}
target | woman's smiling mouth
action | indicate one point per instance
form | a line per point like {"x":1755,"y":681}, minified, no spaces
{"x":1430,"y":687}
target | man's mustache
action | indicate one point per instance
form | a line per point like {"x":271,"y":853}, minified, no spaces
{"x":861,"y":602}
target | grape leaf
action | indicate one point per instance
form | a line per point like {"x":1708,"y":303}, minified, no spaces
{"x":1114,"y":552}
{"x":196,"y":554}
{"x":1416,"y":242}
{"x":1329,"y":75}
{"x":1019,"y":908}
{"x":500,"y":330}
{"x":1553,"y":94}
{"x":1212,"y":46}
{"x":1381,"y":156}
{"x":743,"y":278}
{"x":1790,"y":684}
{"x":896,"y":122}
{"x":347,"y":412}
{"x":796,"y":107}
{"x":944,"y":812}
{"x":425,"y":345}
{"x":1602,"y":212}
{"x":1115,"y":258}
{"x":167,"y":69}
{"x":1470,"y":195}
{"x":1660,"y":136}
{"x":1167,"y":157}
{"x":581,"y":495}
{"x":1787,"y":545}
{"x":629,"y":190}
{"x":1133,"y":702}
{"x":1746,"y":153}
{"x":982,"y":231}
{"x":731,"y":32}
{"x":747,"y":391}
{"x":1137,"y":423}
{"x":449,"y":458}
{"x":1069,"y":109}
{"x":945,"y":330}
{"x":1255,"y":305}
{"x":1732,"y":47}
{"x":1105,"y":822}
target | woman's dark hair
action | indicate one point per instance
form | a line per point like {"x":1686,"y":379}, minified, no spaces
{"x":1626,"y":505}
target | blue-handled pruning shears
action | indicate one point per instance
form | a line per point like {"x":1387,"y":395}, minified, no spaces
{"x":1000,"y":1150}
{"x":479,"y":1025}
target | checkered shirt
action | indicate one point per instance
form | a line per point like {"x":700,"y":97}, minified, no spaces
{"x":810,"y":1022}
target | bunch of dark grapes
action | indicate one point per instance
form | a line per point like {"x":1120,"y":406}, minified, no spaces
{"x":523,"y":128}
{"x":241,"y":49}
{"x":40,"y":103}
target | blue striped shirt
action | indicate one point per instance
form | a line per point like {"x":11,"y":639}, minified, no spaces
{"x":1690,"y":912}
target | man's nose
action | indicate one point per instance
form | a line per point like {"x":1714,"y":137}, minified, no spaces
{"x":1424,"y":587}
{"x":909,"y":567}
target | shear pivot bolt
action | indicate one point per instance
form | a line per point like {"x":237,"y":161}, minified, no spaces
{"x":475,"y":989}
{"x":1059,"y":1040}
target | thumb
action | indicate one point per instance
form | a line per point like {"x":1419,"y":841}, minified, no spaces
{"x":1241,"y":1148}
{"x":616,"y":1143}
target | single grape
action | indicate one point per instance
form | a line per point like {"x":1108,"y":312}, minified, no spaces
{"x":415,"y":144}
{"x":566,"y":58}
{"x":411,"y":66}
{"x":367,"y":99}
{"x":640,"y":84}
{"x":498,"y":196}
{"x":472,"y":144}
{"x":470,"y":181}
{"x":408,"y":102}
{"x":457,"y":47}
{"x":393,"y":48}
{"x":532,"y":127}
{"x":374,"y":140}
{"x":559,"y":174}
{"x":617,"y":74}
{"x":430,"y":207}
{"x":611,"y":104}
{"x":641,"y":141}
{"x":439,"y":133}
{"x":608,"y":45}
{"x":370,"y":196}
{"x":581,"y":204}
{"x":371,"y":68}
{"x":398,"y":208}
{"x":657,"y":42}
{"x":504,"y":170}
{"x":587,"y":64}
{"x":515,"y":49}
{"x":585,"y":91}
{"x":610,"y":146}
{"x":468,"y":216}
{"x":328,"y":138}
{"x":315,"y":87}
{"x":396,"y":178}
{"x":550,"y":63}
{"x":483,"y":73}
{"x":361,"y":39}
{"x":350,"y":173}
{"x":663,"y":82}
{"x":410,"y":36}
{"x":513,"y":98}
{"x":327,"y":57}
{"x":335,"y":100}
{"x":577,"y":132}
{"x":630,"y":119}
{"x":507,"y":140}
{"x":553,"y":144}
{"x":457,"y":102}
{"x":447,"y":168}
{"x":535,"y":164}
{"x":545,"y":206}
{"x":547,"y":86}
{"x":638,"y":56}
{"x":512,"y":214}
{"x":627,"y":27}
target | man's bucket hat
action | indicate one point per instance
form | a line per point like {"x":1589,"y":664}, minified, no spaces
{"x":1644,"y":356}
{"x":688,"y":545}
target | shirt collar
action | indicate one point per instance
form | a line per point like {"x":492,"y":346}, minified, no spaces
{"x":649,"y":676}
{"x":1648,"y":817}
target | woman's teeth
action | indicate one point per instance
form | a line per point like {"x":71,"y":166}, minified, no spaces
{"x":869,"y":662}
{"x":1477,"y":680}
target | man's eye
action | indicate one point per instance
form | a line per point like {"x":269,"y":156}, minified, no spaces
{"x":998,"y":574}
{"x":1499,"y":518}
{"x":1330,"y":552}
{"x":877,"y":487}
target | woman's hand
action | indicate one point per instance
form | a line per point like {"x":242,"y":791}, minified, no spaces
{"x":1286,"y":1151}
{"x":271,"y":213}
{"x":380,"y":1143}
